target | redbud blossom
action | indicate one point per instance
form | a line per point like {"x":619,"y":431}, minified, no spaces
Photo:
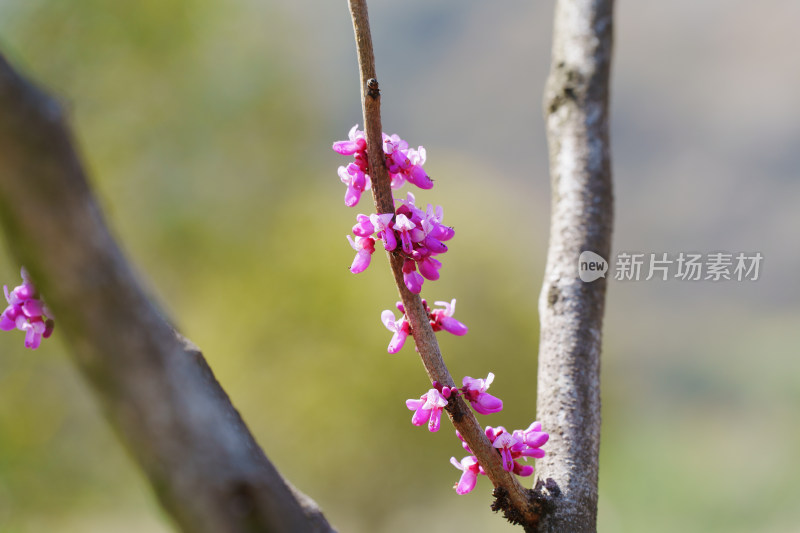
{"x":470,"y":468}
{"x":442,"y":319}
{"x":428,"y":409}
{"x":364,"y":247}
{"x":512,"y":446}
{"x":403,"y":163}
{"x":421,"y":234}
{"x":534,"y":438}
{"x":363,"y":227}
{"x":412,"y":279}
{"x":474,"y":391}
{"x":26,"y":312}
{"x":383,"y":226}
{"x":401,"y":328}
{"x":357,"y":182}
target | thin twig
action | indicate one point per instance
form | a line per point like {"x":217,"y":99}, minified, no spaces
{"x":571,"y":311}
{"x":516,"y":502}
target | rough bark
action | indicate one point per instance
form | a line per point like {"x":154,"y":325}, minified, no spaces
{"x":571,"y":311}
{"x":154,"y":386}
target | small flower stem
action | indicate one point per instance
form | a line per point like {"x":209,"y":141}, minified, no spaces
{"x":516,"y":502}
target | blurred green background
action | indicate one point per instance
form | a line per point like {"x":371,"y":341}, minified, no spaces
{"x":206,"y":126}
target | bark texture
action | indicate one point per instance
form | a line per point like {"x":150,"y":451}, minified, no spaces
{"x":154,"y":386}
{"x":571,"y":311}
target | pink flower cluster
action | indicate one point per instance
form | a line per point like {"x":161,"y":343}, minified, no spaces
{"x":519,"y":444}
{"x":415,"y":234}
{"x":428,"y":409}
{"x":512,"y":446}
{"x":27,"y":312}
{"x":418,"y":236}
{"x":404,"y":164}
{"x":440,"y":319}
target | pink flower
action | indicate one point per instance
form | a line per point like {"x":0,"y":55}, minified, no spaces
{"x":512,"y":446}
{"x":534,"y":438}
{"x":364,"y":247}
{"x":433,"y":224}
{"x":27,"y":313}
{"x":442,"y":319}
{"x":383,"y":225}
{"x":404,"y":163}
{"x":474,"y":390}
{"x":357,"y":182}
{"x":503,"y":441}
{"x":428,"y":409}
{"x":429,"y":267}
{"x":411,"y":277}
{"x":363,"y":227}
{"x":421,"y":234}
{"x":356,"y":142}
{"x":404,"y":226}
{"x":401,"y":328}
{"x":470,"y":468}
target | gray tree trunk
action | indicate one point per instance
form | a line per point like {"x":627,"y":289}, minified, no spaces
{"x":571,"y":311}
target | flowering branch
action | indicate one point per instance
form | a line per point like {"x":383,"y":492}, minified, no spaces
{"x":155,"y":387}
{"x":571,"y":311}
{"x":511,"y":497}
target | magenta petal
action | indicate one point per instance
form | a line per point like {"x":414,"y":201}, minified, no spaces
{"x":32,"y":339}
{"x":397,"y":342}
{"x":487,"y":404}
{"x":536,"y":453}
{"x":352,"y":196}
{"x":428,"y":269}
{"x":523,"y":470}
{"x":453,"y":326}
{"x":535,"y":426}
{"x":359,"y":179}
{"x":405,"y":242}
{"x":389,"y":239}
{"x":420,"y":178}
{"x":536,"y":439}
{"x":435,"y":421}
{"x":417,"y":235}
{"x":442,"y":233}
{"x":25,"y":291}
{"x":8,"y":319}
{"x":345,"y":147}
{"x":421,"y":417}
{"x":415,"y":404}
{"x":364,"y":227}
{"x":32,"y":308}
{"x":508,"y":460}
{"x":361,"y":262}
{"x":435,"y":246}
{"x":413,"y":281}
{"x":467,"y":482}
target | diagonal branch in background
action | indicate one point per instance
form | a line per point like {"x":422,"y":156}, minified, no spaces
{"x":571,"y":311}
{"x":154,"y":386}
{"x":511,"y":497}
